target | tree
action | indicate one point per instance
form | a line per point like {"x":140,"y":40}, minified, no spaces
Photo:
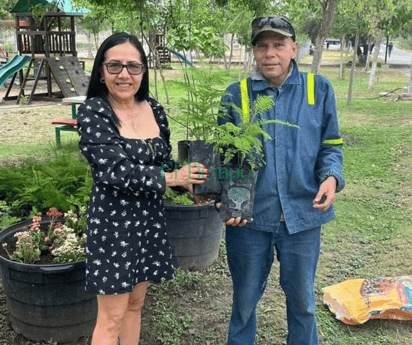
{"x":329,"y":8}
{"x":5,"y":7}
{"x":321,"y":14}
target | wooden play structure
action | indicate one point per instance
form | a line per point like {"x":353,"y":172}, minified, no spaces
{"x":157,"y":39}
{"x":52,"y":47}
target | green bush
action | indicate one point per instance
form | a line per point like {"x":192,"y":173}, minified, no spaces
{"x":62,"y":182}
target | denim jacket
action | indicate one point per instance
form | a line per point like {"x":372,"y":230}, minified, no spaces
{"x":296,"y":160}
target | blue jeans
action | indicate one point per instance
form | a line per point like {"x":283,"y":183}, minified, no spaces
{"x":250,"y":256}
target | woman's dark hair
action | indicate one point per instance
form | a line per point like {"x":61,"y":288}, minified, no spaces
{"x":97,"y":88}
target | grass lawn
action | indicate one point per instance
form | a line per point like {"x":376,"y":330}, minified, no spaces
{"x":370,"y":237}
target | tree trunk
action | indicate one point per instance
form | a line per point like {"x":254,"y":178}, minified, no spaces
{"x":240,"y":56}
{"x":386,"y":49}
{"x":154,"y":60}
{"x":341,"y":59}
{"x":96,"y":42}
{"x":374,"y":63}
{"x":368,"y":55}
{"x":352,"y":70}
{"x":245,"y":58}
{"x":89,"y":45}
{"x":231,"y":51}
{"x":328,"y":14}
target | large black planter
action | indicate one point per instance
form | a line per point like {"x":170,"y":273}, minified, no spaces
{"x":47,"y":301}
{"x":195,"y":233}
{"x":198,"y":151}
{"x":238,"y":192}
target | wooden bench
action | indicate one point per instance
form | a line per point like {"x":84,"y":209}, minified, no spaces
{"x":68,"y":124}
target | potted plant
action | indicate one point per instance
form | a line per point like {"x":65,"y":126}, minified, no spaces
{"x":243,"y":156}
{"x":198,"y":115}
{"x":195,"y":231}
{"x":42,"y":265}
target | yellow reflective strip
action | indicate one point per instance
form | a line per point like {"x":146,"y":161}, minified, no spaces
{"x":311,"y":88}
{"x":333,"y":141}
{"x":245,"y":101}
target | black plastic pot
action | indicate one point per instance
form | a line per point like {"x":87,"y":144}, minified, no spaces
{"x":238,"y":192}
{"x":195,"y":233}
{"x":198,"y":151}
{"x":47,"y":301}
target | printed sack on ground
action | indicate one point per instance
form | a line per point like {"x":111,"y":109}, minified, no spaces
{"x":359,"y":300}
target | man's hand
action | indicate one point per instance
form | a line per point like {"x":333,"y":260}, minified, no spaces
{"x":233,"y":221}
{"x":326,"y":194}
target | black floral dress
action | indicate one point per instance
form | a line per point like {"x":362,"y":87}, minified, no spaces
{"x":127,"y":241}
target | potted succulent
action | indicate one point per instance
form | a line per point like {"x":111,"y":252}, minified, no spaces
{"x":42,"y":265}
{"x":243,"y":156}
{"x":198,"y":115}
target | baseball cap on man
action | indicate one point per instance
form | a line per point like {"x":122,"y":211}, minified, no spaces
{"x":272,"y":23}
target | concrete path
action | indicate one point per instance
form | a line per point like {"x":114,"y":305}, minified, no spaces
{"x":399,"y":59}
{"x":398,"y":56}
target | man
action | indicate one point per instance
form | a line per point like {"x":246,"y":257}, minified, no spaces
{"x":390,"y":47}
{"x":294,"y":191}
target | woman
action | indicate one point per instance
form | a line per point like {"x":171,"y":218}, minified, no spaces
{"x":125,"y":137}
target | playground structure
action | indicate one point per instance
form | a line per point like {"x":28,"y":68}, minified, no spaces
{"x":157,"y":40}
{"x":51,"y":46}
{"x":12,"y":67}
{"x":162,"y":54}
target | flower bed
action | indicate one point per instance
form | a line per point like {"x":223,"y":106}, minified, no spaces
{"x":60,"y":240}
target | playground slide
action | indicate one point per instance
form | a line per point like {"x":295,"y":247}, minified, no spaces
{"x":10,"y":69}
{"x":10,"y":62}
{"x":181,"y":57}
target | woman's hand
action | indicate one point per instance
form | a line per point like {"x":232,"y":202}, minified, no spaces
{"x":186,"y":176}
{"x":233,"y":221}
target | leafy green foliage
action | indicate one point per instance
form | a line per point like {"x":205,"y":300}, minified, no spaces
{"x":187,"y":37}
{"x":6,"y":218}
{"x":245,"y":141}
{"x":39,"y":10}
{"x":5,"y":7}
{"x":204,"y":87}
{"x":175,"y":198}
{"x":61,"y":182}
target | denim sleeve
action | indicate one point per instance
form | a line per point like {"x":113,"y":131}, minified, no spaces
{"x":330,"y":158}
{"x":226,"y":112}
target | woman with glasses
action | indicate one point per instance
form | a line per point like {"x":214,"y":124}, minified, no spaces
{"x":125,"y":137}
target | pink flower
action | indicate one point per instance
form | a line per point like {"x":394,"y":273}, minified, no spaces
{"x":35,"y":227}
{"x":37,"y":219}
{"x":46,"y":239}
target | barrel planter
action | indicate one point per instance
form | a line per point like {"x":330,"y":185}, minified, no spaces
{"x":47,"y":301}
{"x":195,"y":233}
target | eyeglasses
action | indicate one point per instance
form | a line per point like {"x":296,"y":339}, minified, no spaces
{"x":117,"y":68}
{"x":275,"y":22}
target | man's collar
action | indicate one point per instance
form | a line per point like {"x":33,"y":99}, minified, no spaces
{"x":290,"y":79}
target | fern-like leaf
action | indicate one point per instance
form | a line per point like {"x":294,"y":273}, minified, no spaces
{"x":263,"y":103}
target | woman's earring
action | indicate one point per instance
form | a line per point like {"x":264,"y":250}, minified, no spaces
{"x":102,"y":80}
